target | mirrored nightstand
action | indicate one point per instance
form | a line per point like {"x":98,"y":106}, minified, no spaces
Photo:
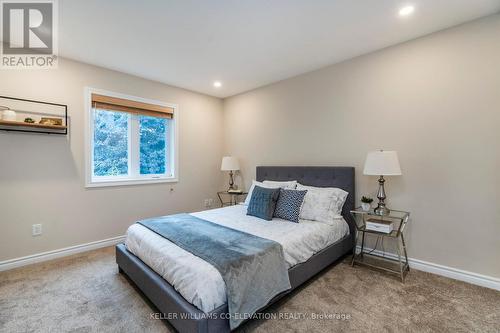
{"x":380,"y":261}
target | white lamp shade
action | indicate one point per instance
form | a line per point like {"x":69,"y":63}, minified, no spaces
{"x":230,"y":163}
{"x":382,"y":163}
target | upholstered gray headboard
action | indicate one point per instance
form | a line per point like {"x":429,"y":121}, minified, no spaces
{"x":341,"y":177}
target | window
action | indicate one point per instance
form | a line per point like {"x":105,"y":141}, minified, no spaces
{"x":130,"y":140}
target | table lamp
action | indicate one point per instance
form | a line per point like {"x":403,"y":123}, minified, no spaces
{"x":382,"y":163}
{"x":230,"y":163}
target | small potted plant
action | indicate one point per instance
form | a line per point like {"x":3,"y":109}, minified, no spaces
{"x":366,"y":203}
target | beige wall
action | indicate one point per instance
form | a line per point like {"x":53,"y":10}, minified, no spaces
{"x":42,"y":177}
{"x":435,"y":100}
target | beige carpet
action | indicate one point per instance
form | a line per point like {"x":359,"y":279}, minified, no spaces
{"x":85,"y":293}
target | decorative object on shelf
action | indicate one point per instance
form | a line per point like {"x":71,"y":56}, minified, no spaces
{"x":366,"y":203}
{"x":51,"y":121}
{"x":8,"y":114}
{"x":2,"y":109}
{"x":382,"y":163}
{"x":34,"y":116}
{"x":379,"y":225}
{"x":231,"y":164}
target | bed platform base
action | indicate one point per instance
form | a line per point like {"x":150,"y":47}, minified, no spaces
{"x":184,"y":316}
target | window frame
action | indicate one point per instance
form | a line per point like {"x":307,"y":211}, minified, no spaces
{"x":133,"y":133}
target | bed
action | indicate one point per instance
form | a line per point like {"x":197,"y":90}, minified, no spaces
{"x":176,"y":282}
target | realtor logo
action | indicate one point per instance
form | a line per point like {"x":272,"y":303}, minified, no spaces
{"x":29,"y":31}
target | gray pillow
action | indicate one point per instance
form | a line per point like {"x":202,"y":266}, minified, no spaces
{"x":263,"y":202}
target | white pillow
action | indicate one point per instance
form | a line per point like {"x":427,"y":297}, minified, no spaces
{"x":269,"y":184}
{"x":289,"y":185}
{"x":323,"y":204}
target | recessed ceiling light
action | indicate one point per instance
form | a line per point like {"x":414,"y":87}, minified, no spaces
{"x":407,"y":10}
{"x":217,"y":84}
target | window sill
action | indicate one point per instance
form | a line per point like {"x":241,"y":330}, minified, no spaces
{"x":107,"y":183}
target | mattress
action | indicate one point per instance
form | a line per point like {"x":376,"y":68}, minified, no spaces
{"x":198,"y":281}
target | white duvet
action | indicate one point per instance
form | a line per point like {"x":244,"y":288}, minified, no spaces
{"x":198,"y":281}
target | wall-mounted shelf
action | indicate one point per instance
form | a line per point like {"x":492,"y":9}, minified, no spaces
{"x":26,"y":108}
{"x":23,"y":124}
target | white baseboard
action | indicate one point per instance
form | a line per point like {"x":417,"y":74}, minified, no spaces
{"x":67,"y":251}
{"x":449,"y":272}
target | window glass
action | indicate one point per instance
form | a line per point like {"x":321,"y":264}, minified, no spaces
{"x":152,"y":136}
{"x":110,"y":143}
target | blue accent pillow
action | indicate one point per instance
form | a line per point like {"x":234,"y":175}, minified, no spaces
{"x":263,"y":202}
{"x":289,"y":204}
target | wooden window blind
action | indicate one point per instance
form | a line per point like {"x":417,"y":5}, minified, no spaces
{"x":125,"y":105}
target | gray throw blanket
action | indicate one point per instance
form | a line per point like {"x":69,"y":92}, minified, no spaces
{"x":253,"y":268}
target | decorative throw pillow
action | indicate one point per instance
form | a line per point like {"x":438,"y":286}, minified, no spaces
{"x":289,"y":204}
{"x":269,"y":184}
{"x":263,"y":202}
{"x":322,"y":204}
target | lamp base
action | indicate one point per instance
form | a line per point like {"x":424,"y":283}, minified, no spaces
{"x":382,"y":210}
{"x":232,"y":187}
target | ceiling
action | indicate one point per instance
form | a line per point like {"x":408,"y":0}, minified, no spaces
{"x":243,"y":44}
